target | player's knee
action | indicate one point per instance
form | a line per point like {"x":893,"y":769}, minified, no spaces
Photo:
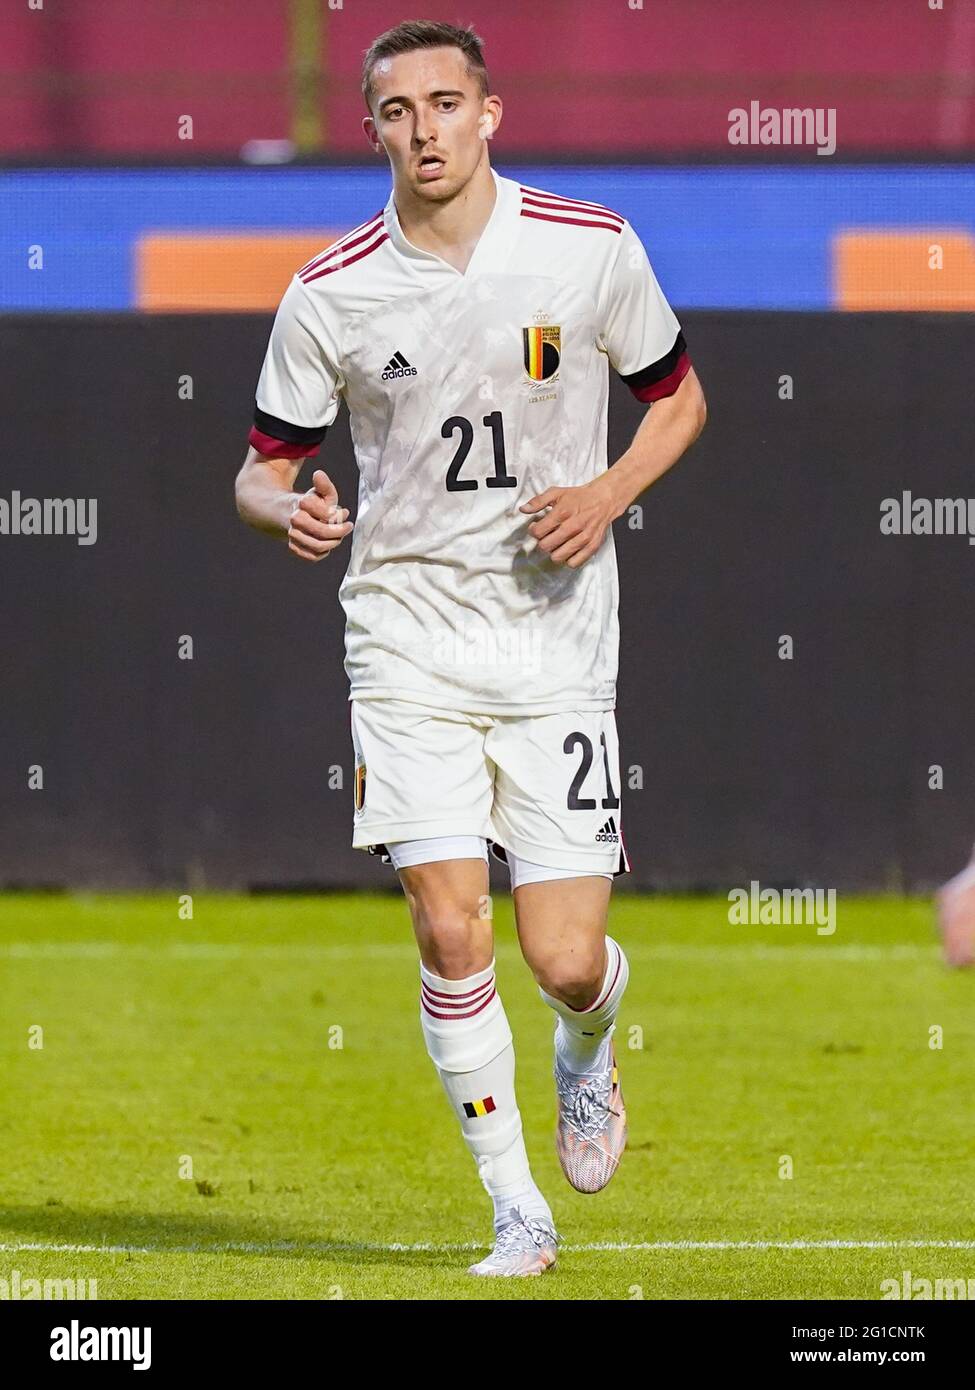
{"x":455,"y":943}
{"x":575,"y":980}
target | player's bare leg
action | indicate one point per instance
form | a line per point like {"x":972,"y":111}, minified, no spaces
{"x":581,"y":974}
{"x":454,"y":933}
{"x":469,"y":1041}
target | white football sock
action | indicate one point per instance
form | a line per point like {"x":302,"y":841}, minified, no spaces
{"x":469,"y":1040}
{"x":583,"y":1036}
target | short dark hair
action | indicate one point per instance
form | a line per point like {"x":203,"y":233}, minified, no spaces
{"x":425,"y":33}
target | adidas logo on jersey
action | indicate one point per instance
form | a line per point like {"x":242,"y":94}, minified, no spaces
{"x":397,"y":366}
{"x":608,"y":833}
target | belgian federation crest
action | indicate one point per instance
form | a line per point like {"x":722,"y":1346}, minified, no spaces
{"x":543,"y":351}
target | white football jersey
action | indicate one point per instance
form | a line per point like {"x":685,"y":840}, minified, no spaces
{"x":468,"y":394}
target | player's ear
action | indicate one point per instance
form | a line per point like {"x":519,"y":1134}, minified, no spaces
{"x":372,"y":134}
{"x":490,"y":117}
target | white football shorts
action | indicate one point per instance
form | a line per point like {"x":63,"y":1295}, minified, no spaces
{"x":545,"y":788}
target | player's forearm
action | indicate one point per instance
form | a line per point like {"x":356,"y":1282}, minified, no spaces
{"x":267,"y":508}
{"x":666,"y":432}
{"x":265,"y":502}
{"x":312,"y":522}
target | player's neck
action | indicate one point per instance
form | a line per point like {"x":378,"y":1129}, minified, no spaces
{"x":452,"y":229}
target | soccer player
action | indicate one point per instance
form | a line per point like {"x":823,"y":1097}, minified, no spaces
{"x":469,"y":326}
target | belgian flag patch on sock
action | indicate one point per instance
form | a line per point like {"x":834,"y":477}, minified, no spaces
{"x":473,"y":1108}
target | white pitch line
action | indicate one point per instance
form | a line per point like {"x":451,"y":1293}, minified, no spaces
{"x":326,"y":1247}
{"x":825,"y":951}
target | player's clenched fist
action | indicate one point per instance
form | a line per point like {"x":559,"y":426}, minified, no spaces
{"x":318,"y":524}
{"x":956,"y":917}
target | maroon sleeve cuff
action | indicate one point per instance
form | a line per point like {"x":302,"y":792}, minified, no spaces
{"x":279,"y":448}
{"x":660,"y":378}
{"x":280,"y":439}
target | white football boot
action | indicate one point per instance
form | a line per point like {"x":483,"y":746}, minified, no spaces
{"x":526,"y":1245}
{"x":590,"y":1133}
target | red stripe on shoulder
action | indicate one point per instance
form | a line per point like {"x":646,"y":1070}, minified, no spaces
{"x":570,"y":221}
{"x":539,"y":197}
{"x":574,"y":208}
{"x":371,"y":223}
{"x":346,"y":260}
{"x":353,"y":238}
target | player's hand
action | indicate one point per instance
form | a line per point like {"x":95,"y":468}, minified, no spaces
{"x":318,"y":524}
{"x":956,"y":917}
{"x":574,"y":529}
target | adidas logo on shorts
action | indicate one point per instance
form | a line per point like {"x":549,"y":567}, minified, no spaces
{"x":609,"y":833}
{"x":397,"y":366}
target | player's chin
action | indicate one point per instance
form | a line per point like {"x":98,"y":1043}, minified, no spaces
{"x":437,"y":190}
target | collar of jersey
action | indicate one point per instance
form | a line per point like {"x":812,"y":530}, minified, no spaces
{"x":493,"y":243}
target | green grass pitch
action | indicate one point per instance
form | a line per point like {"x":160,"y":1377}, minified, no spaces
{"x":322,"y":1170}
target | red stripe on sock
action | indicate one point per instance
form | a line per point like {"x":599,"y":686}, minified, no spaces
{"x":450,"y":1017}
{"x":442,"y":994}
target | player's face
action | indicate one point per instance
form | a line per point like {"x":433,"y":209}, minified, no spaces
{"x":431,"y":119}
